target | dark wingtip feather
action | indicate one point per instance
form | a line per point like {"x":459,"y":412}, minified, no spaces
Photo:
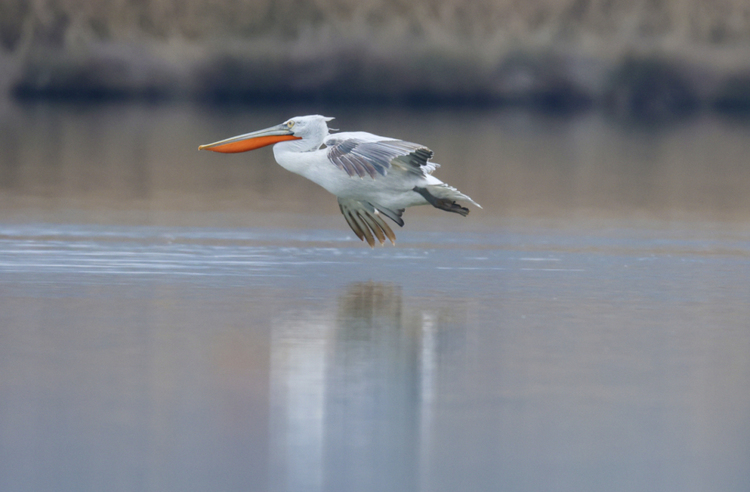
{"x":367,"y":221}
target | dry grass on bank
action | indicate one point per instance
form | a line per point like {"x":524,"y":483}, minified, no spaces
{"x":437,"y":21}
{"x":649,"y":56}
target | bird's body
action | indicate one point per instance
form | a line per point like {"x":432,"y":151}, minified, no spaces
{"x":392,"y":190}
{"x":370,"y":175}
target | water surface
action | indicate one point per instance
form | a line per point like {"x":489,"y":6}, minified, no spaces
{"x":174,"y":320}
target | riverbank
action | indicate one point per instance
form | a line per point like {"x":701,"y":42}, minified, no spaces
{"x":634,"y":60}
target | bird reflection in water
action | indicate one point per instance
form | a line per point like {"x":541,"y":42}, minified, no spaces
{"x":351,"y":392}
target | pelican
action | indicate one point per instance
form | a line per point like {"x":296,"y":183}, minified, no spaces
{"x":371,"y":176}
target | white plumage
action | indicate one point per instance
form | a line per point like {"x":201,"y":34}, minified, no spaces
{"x":370,"y":175}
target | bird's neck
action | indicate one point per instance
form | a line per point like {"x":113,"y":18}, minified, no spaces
{"x":291,"y":155}
{"x":303,"y":145}
{"x":295,"y":146}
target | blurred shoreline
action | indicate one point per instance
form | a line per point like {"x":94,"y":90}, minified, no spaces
{"x":643,"y":60}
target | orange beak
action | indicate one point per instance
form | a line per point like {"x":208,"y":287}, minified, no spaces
{"x":251,"y":141}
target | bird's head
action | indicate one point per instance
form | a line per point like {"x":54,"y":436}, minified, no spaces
{"x":311,"y":129}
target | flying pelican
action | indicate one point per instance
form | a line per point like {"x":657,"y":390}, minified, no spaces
{"x":371,"y":176}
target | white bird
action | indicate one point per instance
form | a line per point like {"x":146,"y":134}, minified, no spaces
{"x":371,"y":176}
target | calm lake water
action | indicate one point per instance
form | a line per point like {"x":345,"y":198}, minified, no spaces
{"x":178,"y":320}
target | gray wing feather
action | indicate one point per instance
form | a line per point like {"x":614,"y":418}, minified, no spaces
{"x":362,"y":158}
{"x":366,"y":220}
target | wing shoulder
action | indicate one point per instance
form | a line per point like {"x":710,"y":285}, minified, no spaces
{"x":362,"y":154}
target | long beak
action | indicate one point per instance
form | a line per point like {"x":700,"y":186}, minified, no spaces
{"x":251,"y":141}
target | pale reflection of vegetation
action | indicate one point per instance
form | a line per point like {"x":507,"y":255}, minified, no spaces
{"x":143,"y":163}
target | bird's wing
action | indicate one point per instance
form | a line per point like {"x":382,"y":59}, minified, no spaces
{"x":362,"y":154}
{"x":366,"y":220}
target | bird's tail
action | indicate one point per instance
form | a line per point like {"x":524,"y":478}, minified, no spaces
{"x":444,"y":197}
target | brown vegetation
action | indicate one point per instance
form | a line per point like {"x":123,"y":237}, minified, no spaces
{"x":555,"y":54}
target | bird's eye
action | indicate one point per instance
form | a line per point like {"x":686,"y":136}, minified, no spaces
{"x":290,"y":124}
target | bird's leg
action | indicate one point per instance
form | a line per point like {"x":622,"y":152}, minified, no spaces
{"x":442,"y":203}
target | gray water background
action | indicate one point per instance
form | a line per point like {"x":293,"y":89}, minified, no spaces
{"x":177,"y":320}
